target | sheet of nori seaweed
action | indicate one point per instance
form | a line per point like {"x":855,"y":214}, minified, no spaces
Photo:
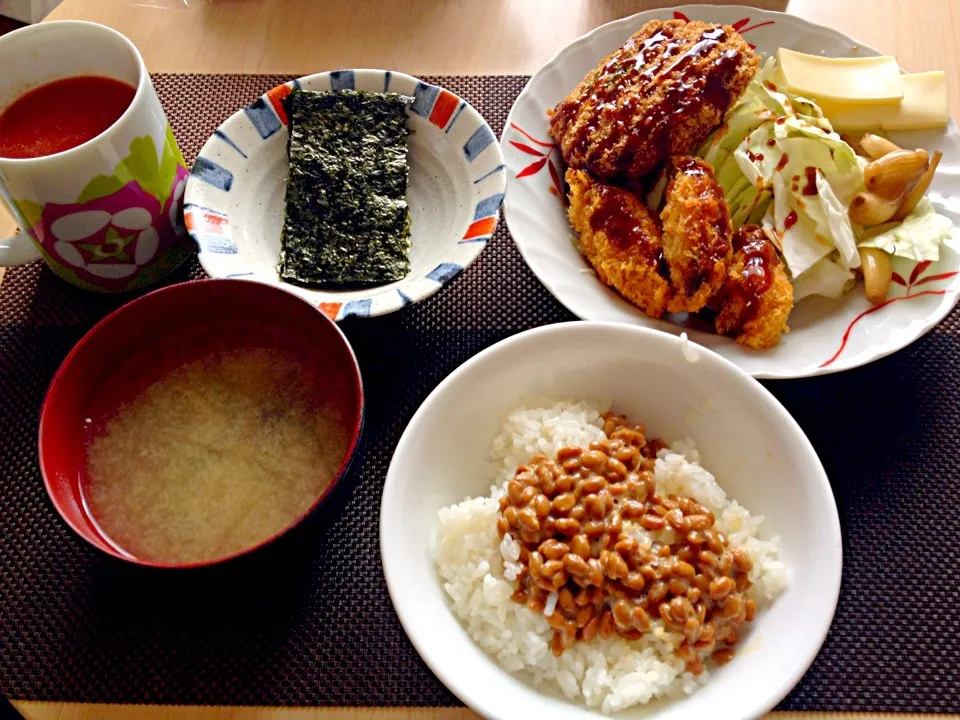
{"x":347,"y":220}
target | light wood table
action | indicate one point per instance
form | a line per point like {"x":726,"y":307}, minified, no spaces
{"x":453,"y":37}
{"x":458,"y":37}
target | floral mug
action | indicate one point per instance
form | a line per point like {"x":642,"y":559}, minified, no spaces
{"x":106,"y":215}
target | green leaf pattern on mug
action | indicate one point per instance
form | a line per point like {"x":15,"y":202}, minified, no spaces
{"x":30,"y":210}
{"x":100,"y":186}
{"x":155,"y":177}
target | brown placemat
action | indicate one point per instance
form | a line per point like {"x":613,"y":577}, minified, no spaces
{"x":309,"y":620}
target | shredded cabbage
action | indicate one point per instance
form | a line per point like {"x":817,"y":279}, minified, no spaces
{"x":780,"y":164}
{"x":918,"y":237}
{"x":827,"y":278}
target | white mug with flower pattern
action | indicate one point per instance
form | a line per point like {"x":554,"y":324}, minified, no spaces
{"x":105,"y":215}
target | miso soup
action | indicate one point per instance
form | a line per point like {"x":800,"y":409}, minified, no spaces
{"x":215,"y":457}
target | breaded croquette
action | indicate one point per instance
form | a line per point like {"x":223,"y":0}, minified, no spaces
{"x":621,"y":239}
{"x":757,"y":297}
{"x":696,"y":233}
{"x":660,"y":94}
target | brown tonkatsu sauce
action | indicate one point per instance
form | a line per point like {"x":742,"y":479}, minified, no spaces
{"x":755,"y":277}
{"x":685,"y":95}
{"x":688,"y":164}
{"x":811,"y":187}
{"x":710,"y":253}
{"x":613,"y":216}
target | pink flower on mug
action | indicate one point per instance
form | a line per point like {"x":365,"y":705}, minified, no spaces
{"x":121,"y":222}
{"x":107,"y":238}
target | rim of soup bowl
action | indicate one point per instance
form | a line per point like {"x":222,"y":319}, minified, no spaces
{"x":57,"y":386}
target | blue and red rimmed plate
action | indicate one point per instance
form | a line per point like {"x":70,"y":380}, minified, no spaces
{"x":826,"y":335}
{"x":234,"y":200}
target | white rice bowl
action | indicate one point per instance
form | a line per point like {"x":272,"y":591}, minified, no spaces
{"x":476,"y":568}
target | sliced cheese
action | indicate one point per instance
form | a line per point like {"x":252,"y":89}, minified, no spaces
{"x":924,"y":107}
{"x":850,"y":80}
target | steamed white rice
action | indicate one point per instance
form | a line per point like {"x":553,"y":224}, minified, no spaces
{"x":476,"y":568}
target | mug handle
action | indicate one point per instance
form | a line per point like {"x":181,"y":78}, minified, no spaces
{"x":16,"y":249}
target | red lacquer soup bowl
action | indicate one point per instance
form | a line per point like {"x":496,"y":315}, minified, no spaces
{"x":144,"y":340}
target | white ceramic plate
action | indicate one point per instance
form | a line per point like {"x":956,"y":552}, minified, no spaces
{"x":757,"y":451}
{"x":826,"y":335}
{"x":234,"y":201}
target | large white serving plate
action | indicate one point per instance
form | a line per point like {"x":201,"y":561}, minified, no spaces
{"x":825,"y":335}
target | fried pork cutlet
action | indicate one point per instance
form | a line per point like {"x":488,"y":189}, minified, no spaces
{"x":758,"y":296}
{"x":621,"y":239}
{"x":696,"y":233}
{"x":660,"y":94}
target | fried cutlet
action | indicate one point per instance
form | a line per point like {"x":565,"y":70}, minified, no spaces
{"x":621,"y":239}
{"x":757,"y":297}
{"x":696,"y":233}
{"x":660,"y":94}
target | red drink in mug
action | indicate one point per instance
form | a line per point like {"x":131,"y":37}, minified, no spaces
{"x":88,"y":163}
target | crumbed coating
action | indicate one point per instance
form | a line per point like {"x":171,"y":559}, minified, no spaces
{"x":757,"y":297}
{"x":621,"y":239}
{"x":696,"y":233}
{"x":660,"y":94}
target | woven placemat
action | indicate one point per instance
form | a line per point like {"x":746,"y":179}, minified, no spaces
{"x":309,"y":621}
